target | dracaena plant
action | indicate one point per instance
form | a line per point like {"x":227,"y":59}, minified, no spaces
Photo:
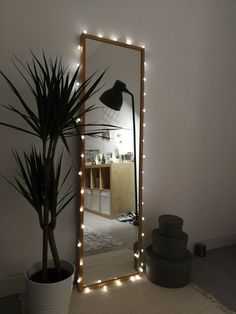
{"x":54,"y":116}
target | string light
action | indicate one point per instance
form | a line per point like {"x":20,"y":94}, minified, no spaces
{"x":136,"y":255}
{"x":142,"y":234}
{"x":104,"y":288}
{"x":87,"y":290}
{"x":144,"y":156}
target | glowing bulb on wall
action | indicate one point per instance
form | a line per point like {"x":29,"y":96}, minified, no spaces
{"x":85,"y":31}
{"x":79,"y":280}
{"x":128,"y":41}
{"x":80,"y":173}
{"x":81,"y":209}
{"x":79,"y":244}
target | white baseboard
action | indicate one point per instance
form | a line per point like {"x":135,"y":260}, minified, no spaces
{"x":214,"y":243}
{"x":12,"y":285}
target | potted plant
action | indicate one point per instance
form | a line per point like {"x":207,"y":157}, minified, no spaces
{"x":58,"y":108}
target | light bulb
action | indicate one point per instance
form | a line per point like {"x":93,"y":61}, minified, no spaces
{"x":143,"y":234}
{"x":80,"y":173}
{"x":82,"y":191}
{"x":78,"y":47}
{"x":136,"y":255}
{"x":82,"y":226}
{"x":79,"y":280}
{"x":143,"y":218}
{"x":81,"y":263}
{"x":82,"y":137}
{"x":81,"y":209}
{"x":137,"y":277}
{"x":144,"y":94}
{"x":79,"y":244}
{"x":85,"y":31}
{"x":144,"y":124}
{"x":114,"y":38}
{"x":118,"y":283}
{"x":144,"y":109}
{"x":104,"y":288}
{"x":144,"y":79}
{"x":77,"y":83}
{"x":87,"y":290}
{"x":77,"y":64}
{"x":128,"y":41}
{"x":132,"y":278}
{"x":82,"y":155}
{"x":100,"y":35}
{"x":141,"y":269}
{"x":99,"y":281}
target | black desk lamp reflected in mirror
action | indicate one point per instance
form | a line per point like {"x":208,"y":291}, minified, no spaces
{"x":112,"y":98}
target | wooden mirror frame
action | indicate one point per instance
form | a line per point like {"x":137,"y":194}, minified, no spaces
{"x":80,"y":224}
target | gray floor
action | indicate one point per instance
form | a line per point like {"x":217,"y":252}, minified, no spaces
{"x":10,"y":305}
{"x":216,"y":274}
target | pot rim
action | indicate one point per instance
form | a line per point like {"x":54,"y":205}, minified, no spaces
{"x":70,"y":268}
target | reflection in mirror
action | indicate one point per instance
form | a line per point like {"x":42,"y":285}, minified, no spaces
{"x":112,"y":162}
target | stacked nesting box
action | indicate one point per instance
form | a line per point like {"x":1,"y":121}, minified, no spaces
{"x":168,"y":262}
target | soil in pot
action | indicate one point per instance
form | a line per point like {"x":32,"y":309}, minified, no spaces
{"x":52,"y":276}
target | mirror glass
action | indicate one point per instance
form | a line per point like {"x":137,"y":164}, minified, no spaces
{"x":109,"y":233}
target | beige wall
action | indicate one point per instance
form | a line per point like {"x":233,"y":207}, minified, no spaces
{"x":191,"y":110}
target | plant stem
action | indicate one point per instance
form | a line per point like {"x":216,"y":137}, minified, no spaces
{"x":54,"y":251}
{"x":47,"y":181}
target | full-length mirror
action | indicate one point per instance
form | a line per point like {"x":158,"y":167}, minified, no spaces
{"x":111,"y":221}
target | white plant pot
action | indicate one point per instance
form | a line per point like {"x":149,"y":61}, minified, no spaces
{"x":49,"y":298}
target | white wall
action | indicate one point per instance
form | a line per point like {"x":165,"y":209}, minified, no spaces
{"x":191,"y":110}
